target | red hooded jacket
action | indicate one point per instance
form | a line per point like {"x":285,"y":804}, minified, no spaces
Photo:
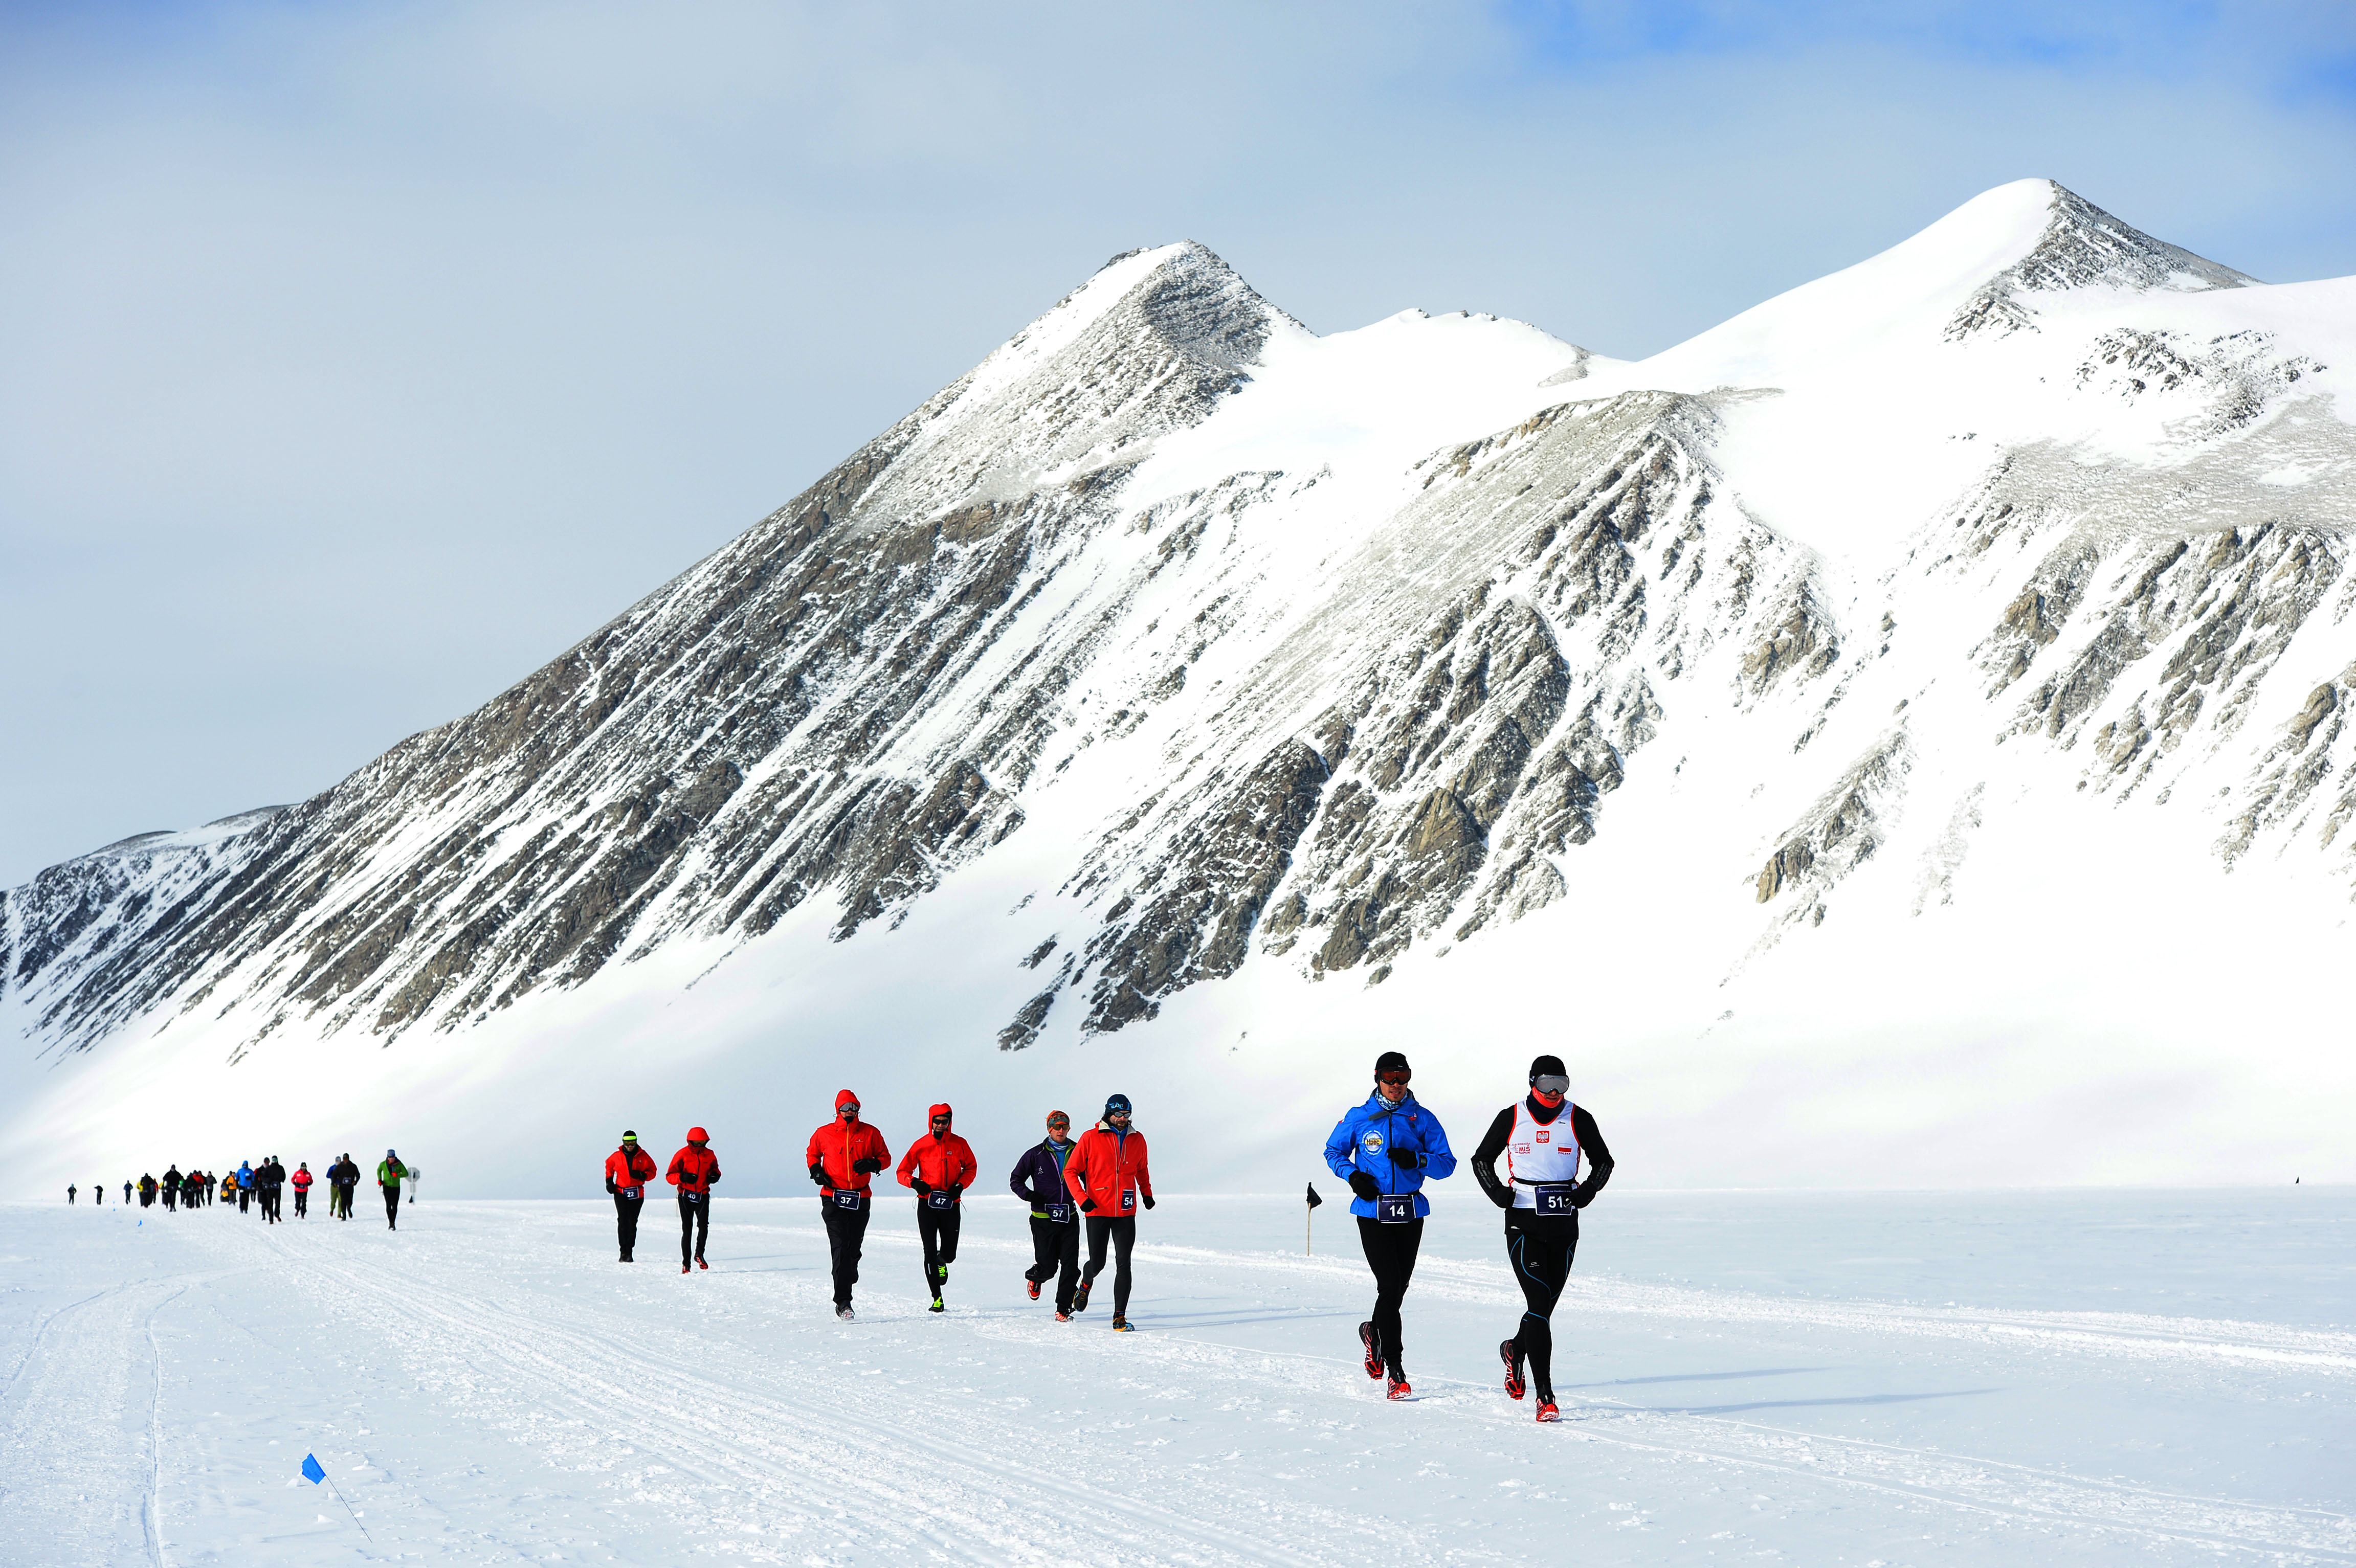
{"x":1109,"y":1168}
{"x":833,"y":1147}
{"x":938,"y":1160}
{"x":693,"y":1170}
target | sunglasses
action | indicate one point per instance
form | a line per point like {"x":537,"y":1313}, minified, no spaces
{"x":1551,"y":1083}
{"x":940,"y":1121}
{"x":1058,"y":1123}
{"x":1393,"y":1078}
{"x":851,"y":1109}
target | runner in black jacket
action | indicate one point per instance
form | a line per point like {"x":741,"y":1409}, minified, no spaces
{"x":1541,"y":1196}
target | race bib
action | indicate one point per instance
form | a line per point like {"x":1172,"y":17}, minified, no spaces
{"x":1128,"y":1200}
{"x":634,"y":1193}
{"x":692,"y":1197}
{"x":1395,"y":1208}
{"x":937,"y":1199}
{"x":844,"y":1198}
{"x":1554,"y":1198}
{"x":1059,"y":1213}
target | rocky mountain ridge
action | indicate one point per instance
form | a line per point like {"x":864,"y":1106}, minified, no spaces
{"x":1257,"y":693}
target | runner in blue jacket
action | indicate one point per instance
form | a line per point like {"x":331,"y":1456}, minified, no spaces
{"x":1385,"y":1149}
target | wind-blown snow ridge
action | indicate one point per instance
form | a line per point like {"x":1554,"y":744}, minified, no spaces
{"x":1217,"y":647}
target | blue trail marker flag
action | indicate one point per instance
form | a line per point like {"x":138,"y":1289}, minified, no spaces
{"x":314,"y":1472}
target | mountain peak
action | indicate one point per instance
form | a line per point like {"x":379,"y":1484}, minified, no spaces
{"x":2079,"y":246}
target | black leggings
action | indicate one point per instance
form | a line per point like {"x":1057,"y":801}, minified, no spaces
{"x":1539,"y":1251}
{"x":1055,"y":1254}
{"x":303,"y":1200}
{"x":1390,"y":1252}
{"x":392,"y":1205}
{"x":938,"y":1229}
{"x":626,"y":1221}
{"x":694,"y":1224}
{"x":846,"y":1237}
{"x":1122,"y":1233}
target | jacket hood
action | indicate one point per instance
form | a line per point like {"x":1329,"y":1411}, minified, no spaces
{"x":940,"y":1110}
{"x":844,"y":1097}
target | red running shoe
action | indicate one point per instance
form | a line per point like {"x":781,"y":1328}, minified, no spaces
{"x":1373,"y":1352}
{"x":1034,"y":1288}
{"x":1547,"y":1412}
{"x":683,"y":1268}
{"x":1399,"y":1387}
{"x":701,"y":1263}
{"x":1511,"y":1352}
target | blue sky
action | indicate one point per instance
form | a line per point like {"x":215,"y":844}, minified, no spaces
{"x":356,"y":359}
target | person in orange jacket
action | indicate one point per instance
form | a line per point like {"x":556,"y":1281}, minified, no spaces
{"x":940,"y":1167}
{"x":693,"y":1170}
{"x":627,"y":1170}
{"x":1107,"y":1175}
{"x":843,"y":1155}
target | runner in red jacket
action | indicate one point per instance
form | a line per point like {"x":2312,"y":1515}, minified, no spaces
{"x":300,"y":1182}
{"x":693,"y":1170}
{"x":1107,"y":1174}
{"x":939,"y":1166}
{"x":842,"y":1155}
{"x":627,"y":1170}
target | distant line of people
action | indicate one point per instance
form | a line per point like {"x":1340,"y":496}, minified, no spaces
{"x":265,"y":1186}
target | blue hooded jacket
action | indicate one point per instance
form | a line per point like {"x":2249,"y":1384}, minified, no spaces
{"x":245,"y":1173}
{"x":1364,"y":1138}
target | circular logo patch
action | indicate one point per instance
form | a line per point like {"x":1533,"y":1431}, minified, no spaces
{"x":1373,"y":1142}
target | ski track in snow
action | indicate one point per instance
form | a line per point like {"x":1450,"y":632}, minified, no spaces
{"x":487,"y":1386}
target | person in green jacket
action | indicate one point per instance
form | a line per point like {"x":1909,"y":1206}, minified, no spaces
{"x":389,"y":1172}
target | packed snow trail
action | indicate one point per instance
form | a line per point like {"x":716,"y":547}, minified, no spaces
{"x":487,"y":1384}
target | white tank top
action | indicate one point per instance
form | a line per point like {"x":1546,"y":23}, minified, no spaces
{"x":1540,"y":1152}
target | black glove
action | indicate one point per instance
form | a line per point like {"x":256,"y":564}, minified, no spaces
{"x":1580,"y":1198}
{"x":868,"y":1167}
{"x":1503,"y":1196}
{"x":818,"y":1172}
{"x":611,"y":1186}
{"x":1406,"y":1158}
{"x":1087,"y":1205}
{"x":1149,"y":1199}
{"x":1364,"y":1186}
{"x":920,"y":1184}
{"x":953,"y":1189}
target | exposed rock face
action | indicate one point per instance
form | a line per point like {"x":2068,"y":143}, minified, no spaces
{"x":2084,"y":245}
{"x":1396,"y":737}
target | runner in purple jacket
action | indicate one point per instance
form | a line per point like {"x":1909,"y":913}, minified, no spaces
{"x":1038,"y":1181}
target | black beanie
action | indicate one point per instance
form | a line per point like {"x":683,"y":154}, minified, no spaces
{"x":1544,"y":1066}
{"x":1391,"y":1061}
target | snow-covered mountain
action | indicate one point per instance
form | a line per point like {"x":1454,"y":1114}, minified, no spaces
{"x":1900,"y":734}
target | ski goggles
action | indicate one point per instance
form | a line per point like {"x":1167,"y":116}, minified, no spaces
{"x":940,"y":1121}
{"x":1395,"y":1077}
{"x":848,"y":1108}
{"x":1551,"y":1083}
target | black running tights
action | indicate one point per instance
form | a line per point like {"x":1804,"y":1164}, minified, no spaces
{"x":1390,"y":1252}
{"x":1539,"y":1251}
{"x":1122,"y":1233}
{"x":1055,"y":1254}
{"x":694,"y":1224}
{"x":938,"y":1229}
{"x":846,"y":1237}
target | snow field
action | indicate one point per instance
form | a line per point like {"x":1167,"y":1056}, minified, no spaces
{"x":1824,"y":1378}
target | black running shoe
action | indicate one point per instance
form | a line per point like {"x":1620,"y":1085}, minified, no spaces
{"x":1374,"y":1350}
{"x":1510,"y":1351}
{"x":1080,"y":1295}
